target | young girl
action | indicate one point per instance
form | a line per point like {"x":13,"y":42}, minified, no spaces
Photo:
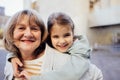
{"x":61,"y":37}
{"x":54,"y":68}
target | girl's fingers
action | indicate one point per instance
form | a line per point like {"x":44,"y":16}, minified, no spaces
{"x":19,"y":63}
{"x":15,"y":63}
{"x":25,"y":74}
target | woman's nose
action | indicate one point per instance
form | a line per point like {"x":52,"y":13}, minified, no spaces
{"x":28,"y":32}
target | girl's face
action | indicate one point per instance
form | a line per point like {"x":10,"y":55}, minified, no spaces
{"x":61,"y":37}
{"x":27,"y":37}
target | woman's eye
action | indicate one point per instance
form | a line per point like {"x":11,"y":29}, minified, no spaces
{"x":21,"y":28}
{"x":35,"y":28}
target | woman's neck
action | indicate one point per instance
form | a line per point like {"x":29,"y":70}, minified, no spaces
{"x":31,"y":56}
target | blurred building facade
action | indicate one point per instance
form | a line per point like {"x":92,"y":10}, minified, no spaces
{"x":3,"y":20}
{"x":104,"y":22}
{"x":80,"y":11}
{"x":3,"y":17}
{"x":2,"y":11}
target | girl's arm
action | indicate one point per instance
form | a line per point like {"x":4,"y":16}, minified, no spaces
{"x":10,"y":56}
{"x":15,"y":63}
{"x":80,"y":47}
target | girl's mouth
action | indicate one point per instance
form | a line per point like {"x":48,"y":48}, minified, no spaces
{"x":63,"y":46}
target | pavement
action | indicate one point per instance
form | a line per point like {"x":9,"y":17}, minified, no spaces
{"x":107,"y":58}
{"x":3,"y":53}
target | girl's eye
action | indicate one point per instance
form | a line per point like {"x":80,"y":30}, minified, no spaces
{"x":67,"y":35}
{"x":55,"y":36}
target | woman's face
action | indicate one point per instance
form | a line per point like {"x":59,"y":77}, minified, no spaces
{"x":27,"y":37}
{"x":61,"y":37}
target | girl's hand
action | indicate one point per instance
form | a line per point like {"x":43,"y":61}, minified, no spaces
{"x":25,"y":75}
{"x":16,"y":63}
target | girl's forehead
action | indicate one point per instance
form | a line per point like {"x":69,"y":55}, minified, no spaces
{"x":59,"y":26}
{"x":61,"y":29}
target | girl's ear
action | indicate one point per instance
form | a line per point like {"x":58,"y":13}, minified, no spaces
{"x":74,"y":38}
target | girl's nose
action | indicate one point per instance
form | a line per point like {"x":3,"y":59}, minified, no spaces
{"x":62,"y":41}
